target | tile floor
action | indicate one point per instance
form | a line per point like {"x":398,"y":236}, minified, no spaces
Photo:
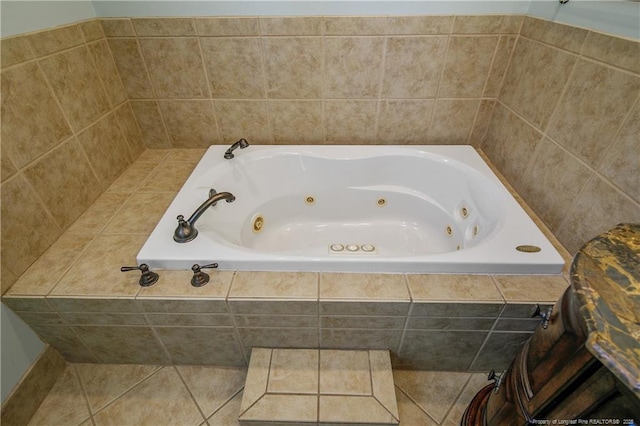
{"x":121,"y":395}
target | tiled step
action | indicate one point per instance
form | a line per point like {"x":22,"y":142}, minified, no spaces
{"x":319,"y":386}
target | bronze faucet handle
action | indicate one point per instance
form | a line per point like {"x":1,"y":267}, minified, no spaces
{"x":148,"y":277}
{"x":200,"y":278}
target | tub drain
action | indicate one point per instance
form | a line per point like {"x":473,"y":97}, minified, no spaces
{"x":526,"y":248}
{"x":258,"y":223}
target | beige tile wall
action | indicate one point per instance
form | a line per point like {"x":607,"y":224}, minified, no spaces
{"x":197,"y":81}
{"x":565,"y":130}
{"x":67,"y":132}
{"x":80,"y":102}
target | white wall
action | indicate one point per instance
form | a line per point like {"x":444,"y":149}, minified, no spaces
{"x":618,"y":17}
{"x":19,"y":349}
{"x":114,"y":8}
{"x":23,"y":16}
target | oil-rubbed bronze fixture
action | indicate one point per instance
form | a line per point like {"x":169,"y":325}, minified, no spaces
{"x":186,"y":230}
{"x":201,"y":278}
{"x":546,"y":315}
{"x":148,"y":277}
{"x":242,"y":144}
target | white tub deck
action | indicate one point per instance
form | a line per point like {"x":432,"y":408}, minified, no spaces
{"x":416,"y":209}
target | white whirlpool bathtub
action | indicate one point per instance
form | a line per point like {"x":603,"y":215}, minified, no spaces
{"x":432,"y":209}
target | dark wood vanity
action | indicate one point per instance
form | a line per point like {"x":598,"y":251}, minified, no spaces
{"x":583,"y":367}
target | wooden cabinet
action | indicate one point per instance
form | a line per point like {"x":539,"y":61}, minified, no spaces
{"x":554,"y":377}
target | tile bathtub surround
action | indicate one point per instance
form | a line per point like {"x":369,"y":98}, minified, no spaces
{"x":67,"y":133}
{"x":564,"y":130}
{"x":310,"y":79}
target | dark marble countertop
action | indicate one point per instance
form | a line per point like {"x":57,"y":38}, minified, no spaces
{"x":606,"y":278}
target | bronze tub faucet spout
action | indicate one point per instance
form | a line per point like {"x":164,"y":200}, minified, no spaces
{"x":186,"y":230}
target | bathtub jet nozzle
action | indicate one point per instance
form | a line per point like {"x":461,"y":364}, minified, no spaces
{"x":242,"y":144}
{"x":186,"y":230}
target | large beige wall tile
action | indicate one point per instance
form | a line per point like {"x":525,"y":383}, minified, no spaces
{"x":452,"y":121}
{"x":467,"y":66}
{"x":32,"y":122}
{"x":481,"y":124}
{"x":7,"y":168}
{"x":293,"y":67}
{"x":613,"y":51}
{"x":92,"y":30}
{"x":504,"y":50}
{"x":65,"y":182}
{"x":592,"y":109}
{"x":190,"y":124}
{"x":148,"y":116}
{"x":228,"y":26}
{"x":243,"y":119}
{"x":290,"y":25}
{"x":162,"y":27}
{"x":28,"y":229}
{"x":175,"y":67}
{"x":527,"y":87}
{"x":599,"y":208}
{"x":413,"y":66}
{"x":352,"y":66}
{"x":420,"y":25}
{"x":621,"y":162}
{"x":108,"y":72}
{"x":14,"y":50}
{"x":559,"y":35}
{"x":234,"y":67}
{"x":296,"y":121}
{"x":479,"y":24}
{"x":50,"y":41}
{"x":131,"y":67}
{"x":553,"y":182}
{"x":510,"y":143}
{"x":75,"y":81}
{"x":354,"y":25}
{"x":106,"y":149}
{"x":349,"y":121}
{"x":117,"y":27}
{"x":130,"y":130}
{"x":404,"y":121}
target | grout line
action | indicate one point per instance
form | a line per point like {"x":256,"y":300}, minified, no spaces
{"x":444,"y":418}
{"x":193,"y":398}
{"x":82,"y":389}
{"x":114,"y":400}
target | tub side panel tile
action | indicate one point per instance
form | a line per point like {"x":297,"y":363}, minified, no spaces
{"x":432,"y":350}
{"x":201,"y":346}
{"x":499,"y":351}
{"x":122,"y":345}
